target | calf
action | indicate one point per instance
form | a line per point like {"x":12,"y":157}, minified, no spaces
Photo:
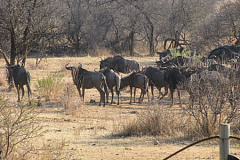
{"x":136,"y":80}
{"x":156,"y":78}
{"x":112,"y":80}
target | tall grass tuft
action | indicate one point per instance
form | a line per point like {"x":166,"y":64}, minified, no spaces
{"x":155,"y":122}
{"x":71,"y":103}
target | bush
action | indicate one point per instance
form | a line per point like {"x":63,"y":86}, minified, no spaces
{"x":18,"y":125}
{"x":213,"y":100}
{"x":50,"y":86}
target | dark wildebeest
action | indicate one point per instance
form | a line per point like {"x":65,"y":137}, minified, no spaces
{"x":174,"y":76}
{"x":136,"y":80}
{"x":180,"y":61}
{"x":119,"y":64}
{"x":232,"y":48}
{"x":208,"y":62}
{"x":21,"y":77}
{"x":222,"y":54}
{"x":86,"y":80}
{"x":156,"y":78}
{"x":164,"y":54}
{"x":112,"y":80}
{"x":176,"y":61}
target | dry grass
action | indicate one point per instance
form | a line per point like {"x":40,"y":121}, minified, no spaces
{"x":84,"y":131}
{"x":156,"y":122}
{"x":71,"y":103}
{"x":2,"y":82}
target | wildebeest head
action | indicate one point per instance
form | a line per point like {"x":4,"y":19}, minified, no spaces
{"x":165,"y":53}
{"x":106,"y":62}
{"x":14,"y":68}
{"x":75,"y":73}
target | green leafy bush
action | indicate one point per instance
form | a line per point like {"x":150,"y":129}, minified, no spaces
{"x":50,"y":86}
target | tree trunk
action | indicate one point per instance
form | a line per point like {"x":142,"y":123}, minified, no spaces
{"x":151,"y":42}
{"x":13,"y":55}
{"x":131,"y":43}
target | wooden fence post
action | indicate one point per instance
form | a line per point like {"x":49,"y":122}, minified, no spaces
{"x":224,"y":141}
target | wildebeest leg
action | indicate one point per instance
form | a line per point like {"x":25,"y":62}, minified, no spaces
{"x":118,"y":94}
{"x":179,"y":96}
{"x":130,"y":95}
{"x":134,"y":100}
{"x":102,"y":95}
{"x":112,"y":95}
{"x":79,"y":91}
{"x":83,"y":91}
{"x":22,"y":91}
{"x":18,"y":92}
{"x":171,"y":92}
{"x":107,"y":95}
{"x":152,"y":93}
{"x":141,"y":96}
{"x":165,"y":93}
{"x":29,"y":92}
{"x":148,"y":96}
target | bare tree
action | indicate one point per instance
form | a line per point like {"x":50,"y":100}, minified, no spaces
{"x":26,"y":23}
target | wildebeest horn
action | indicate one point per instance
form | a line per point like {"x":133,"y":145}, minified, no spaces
{"x":5,"y":57}
{"x":80,"y":65}
{"x":68,"y":68}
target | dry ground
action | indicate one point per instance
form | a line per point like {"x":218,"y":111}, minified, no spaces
{"x":86,"y":133}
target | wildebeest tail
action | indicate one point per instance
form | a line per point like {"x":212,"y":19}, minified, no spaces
{"x":28,"y":77}
{"x":145,"y":85}
{"x":105,"y":85}
{"x":117,"y":79}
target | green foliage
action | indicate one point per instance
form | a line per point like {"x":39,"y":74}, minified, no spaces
{"x":50,"y":85}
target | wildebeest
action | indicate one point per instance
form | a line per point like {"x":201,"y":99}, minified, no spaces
{"x":136,"y":80}
{"x":86,"y":80}
{"x":176,"y":61}
{"x":120,"y":64}
{"x":112,"y":80}
{"x":174,"y":76}
{"x":180,"y":61}
{"x":164,"y":54}
{"x":21,"y":77}
{"x":208,"y":62}
{"x":222,"y":54}
{"x":156,"y":78}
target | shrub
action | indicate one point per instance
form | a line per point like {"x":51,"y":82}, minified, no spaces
{"x":213,"y":100}
{"x":18,"y":125}
{"x":50,"y":86}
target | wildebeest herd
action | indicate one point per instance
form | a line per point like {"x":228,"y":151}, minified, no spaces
{"x":168,"y":73}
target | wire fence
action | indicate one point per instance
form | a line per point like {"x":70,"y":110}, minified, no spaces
{"x":224,"y":143}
